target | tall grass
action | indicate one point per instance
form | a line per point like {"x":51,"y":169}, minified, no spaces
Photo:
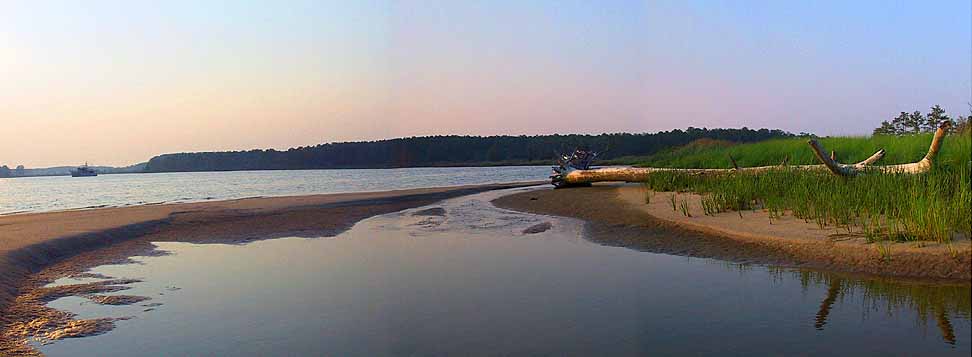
{"x":900,"y":149}
{"x":926,"y":207}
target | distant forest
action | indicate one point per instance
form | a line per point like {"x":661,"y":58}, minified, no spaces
{"x":448,"y":151}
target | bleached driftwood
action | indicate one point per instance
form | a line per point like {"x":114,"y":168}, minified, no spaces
{"x":921,"y":166}
{"x":575,"y":170}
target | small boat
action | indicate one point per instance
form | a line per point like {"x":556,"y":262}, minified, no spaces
{"x":83,"y":171}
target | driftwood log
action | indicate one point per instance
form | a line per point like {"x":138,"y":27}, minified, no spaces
{"x":575,"y":169}
{"x":921,"y":166}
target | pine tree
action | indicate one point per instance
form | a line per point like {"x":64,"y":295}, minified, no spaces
{"x":935,"y":118}
{"x":886,"y":128}
{"x":899,"y":125}
{"x":914,"y":123}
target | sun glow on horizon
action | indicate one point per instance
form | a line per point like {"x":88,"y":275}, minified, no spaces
{"x":116,"y":83}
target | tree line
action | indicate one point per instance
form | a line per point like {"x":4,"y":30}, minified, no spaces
{"x":916,"y":123}
{"x":449,"y":150}
{"x":5,"y":171}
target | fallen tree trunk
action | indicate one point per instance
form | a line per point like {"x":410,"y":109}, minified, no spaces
{"x":921,"y":166}
{"x":574,"y":169}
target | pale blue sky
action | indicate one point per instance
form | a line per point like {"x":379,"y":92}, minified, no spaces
{"x":139,"y":78}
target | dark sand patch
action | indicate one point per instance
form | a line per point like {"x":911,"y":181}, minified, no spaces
{"x":613,"y":220}
{"x":538,"y":228}
{"x":48,"y":294}
{"x":88,"y":275}
{"x":434,"y":211}
{"x":117,"y":299}
{"x":429,"y":222}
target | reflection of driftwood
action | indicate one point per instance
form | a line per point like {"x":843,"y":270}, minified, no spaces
{"x":574,"y":169}
{"x":941,"y":319}
{"x":833,"y":291}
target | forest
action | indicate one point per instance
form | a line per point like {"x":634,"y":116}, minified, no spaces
{"x":449,"y":151}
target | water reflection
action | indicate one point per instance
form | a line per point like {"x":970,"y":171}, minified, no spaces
{"x":927,"y":300}
{"x":833,"y":290}
{"x":463,"y":276}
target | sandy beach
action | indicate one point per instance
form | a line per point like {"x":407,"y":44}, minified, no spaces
{"x":35,"y":247}
{"x":618,"y":215}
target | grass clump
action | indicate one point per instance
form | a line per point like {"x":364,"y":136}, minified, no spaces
{"x":926,"y":207}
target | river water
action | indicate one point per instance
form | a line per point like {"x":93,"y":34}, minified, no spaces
{"x":31,"y":194}
{"x":471,"y":282}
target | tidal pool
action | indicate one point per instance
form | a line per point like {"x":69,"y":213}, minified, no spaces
{"x":465,"y":279}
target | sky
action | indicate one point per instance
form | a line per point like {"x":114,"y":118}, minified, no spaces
{"x":117,"y":82}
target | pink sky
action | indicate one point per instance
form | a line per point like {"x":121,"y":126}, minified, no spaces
{"x":117,"y":83}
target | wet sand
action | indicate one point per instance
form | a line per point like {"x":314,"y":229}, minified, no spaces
{"x":34,"y":248}
{"x":618,"y":215}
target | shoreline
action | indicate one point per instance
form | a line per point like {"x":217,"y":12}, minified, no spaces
{"x":36,"y":248}
{"x":618,"y":215}
{"x":216,"y":200}
{"x":36,"y":241}
{"x":543,"y":163}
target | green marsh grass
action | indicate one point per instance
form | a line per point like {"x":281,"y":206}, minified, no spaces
{"x":683,"y":206}
{"x":926,"y":207}
{"x":900,"y":149}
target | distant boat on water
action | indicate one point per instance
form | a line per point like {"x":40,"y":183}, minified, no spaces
{"x":83,"y":171}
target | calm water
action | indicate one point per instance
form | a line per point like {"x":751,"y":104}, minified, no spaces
{"x":471,"y":283}
{"x":55,"y":193}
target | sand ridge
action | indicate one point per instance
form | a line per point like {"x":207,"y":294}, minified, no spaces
{"x":618,"y":215}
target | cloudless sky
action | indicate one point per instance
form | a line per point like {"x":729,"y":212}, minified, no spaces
{"x":116,"y":82}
